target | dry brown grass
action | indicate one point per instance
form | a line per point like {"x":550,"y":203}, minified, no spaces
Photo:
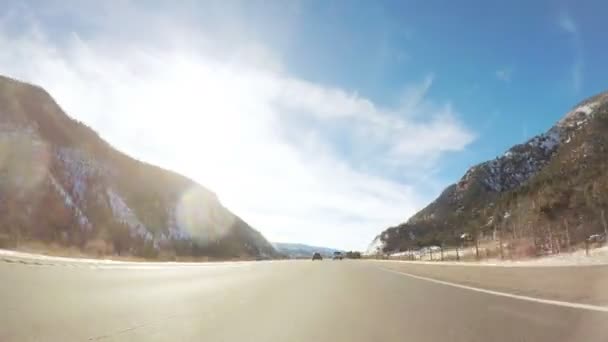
{"x":99,"y":248}
{"x":51,"y":249}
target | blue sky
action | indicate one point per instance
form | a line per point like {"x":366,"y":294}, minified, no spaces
{"x":506,"y":66}
{"x":319,"y":122}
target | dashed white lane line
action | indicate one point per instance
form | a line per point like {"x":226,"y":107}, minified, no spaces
{"x":505,"y":294}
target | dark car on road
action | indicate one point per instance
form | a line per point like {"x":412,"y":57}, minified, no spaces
{"x":317,"y":256}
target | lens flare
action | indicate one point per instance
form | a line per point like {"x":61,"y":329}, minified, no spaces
{"x":200,"y":214}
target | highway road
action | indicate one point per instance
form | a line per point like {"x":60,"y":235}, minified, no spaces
{"x":298,"y":301}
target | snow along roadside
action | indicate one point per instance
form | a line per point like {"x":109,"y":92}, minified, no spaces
{"x":39,"y":259}
{"x":597,"y":257}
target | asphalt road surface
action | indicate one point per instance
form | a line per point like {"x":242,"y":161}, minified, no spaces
{"x":294,"y":301}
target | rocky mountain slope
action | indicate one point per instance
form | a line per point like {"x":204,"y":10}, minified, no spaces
{"x":551,"y":191}
{"x":61,"y":183}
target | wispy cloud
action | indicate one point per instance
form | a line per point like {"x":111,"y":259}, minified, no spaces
{"x":504,"y":74}
{"x":570,"y":26}
{"x":566,"y":22}
{"x":299,"y":160}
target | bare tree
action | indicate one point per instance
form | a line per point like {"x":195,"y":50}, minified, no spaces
{"x":567,"y":227}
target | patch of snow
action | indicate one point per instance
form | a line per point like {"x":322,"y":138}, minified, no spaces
{"x":578,"y":115}
{"x":125,"y":215}
{"x":430,"y":249}
{"x":546,"y":141}
{"x":597,"y":256}
{"x":551,"y":140}
{"x":83,"y":221}
{"x":587,"y":108}
{"x":108,"y":263}
{"x":520,"y":163}
{"x":78,"y":169}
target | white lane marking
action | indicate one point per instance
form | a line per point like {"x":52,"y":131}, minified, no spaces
{"x":505,"y":294}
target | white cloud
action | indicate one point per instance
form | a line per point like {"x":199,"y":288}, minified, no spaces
{"x":504,"y":74}
{"x":300,"y":161}
{"x":569,"y":25}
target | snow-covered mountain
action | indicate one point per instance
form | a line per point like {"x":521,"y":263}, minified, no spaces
{"x":298,"y":250}
{"x":61,"y":183}
{"x":573,"y":146}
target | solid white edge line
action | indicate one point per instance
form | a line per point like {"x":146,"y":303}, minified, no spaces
{"x":505,"y":294}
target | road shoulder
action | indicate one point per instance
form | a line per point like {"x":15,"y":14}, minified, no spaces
{"x":583,"y":285}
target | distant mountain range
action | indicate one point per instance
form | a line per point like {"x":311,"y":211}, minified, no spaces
{"x":546,"y":194}
{"x":298,"y":250}
{"x":60,"y":183}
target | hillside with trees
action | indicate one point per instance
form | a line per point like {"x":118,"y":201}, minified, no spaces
{"x":547,"y":195}
{"x":61,"y":184}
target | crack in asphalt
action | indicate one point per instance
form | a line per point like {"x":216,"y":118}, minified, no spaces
{"x":141,"y":325}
